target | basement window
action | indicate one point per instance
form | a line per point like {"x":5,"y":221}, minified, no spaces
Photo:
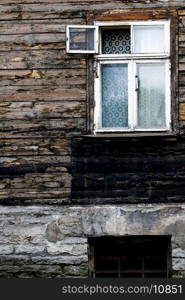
{"x":130,"y":257}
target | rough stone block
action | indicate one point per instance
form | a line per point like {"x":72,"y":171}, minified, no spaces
{"x":6,"y":249}
{"x":81,"y":270}
{"x":178,"y":264}
{"x":29,"y":249}
{"x":67,"y":249}
{"x":178,"y":252}
{"x":63,"y":260}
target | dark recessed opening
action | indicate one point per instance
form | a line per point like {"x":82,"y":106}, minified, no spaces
{"x":116,"y":41}
{"x":130,"y":257}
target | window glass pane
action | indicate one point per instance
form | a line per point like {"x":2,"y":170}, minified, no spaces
{"x":114,"y":95}
{"x":116,"y":41}
{"x":151,"y":100}
{"x":81,"y":39}
{"x":149,"y":39}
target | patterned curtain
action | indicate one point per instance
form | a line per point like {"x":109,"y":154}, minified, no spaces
{"x":116,"y":41}
{"x":114,"y":95}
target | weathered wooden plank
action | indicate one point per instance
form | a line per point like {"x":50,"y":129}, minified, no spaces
{"x":49,"y":59}
{"x":27,"y":47}
{"x":45,"y":18}
{"x":80,"y":1}
{"x":61,"y":127}
{"x":54,"y":11}
{"x":125,"y":14}
{"x":181,"y":12}
{"x":36,"y":146}
{"x":19,"y":28}
{"x":92,"y":5}
{"x":49,"y":110}
{"x":181,"y":44}
{"x":182,"y":77}
{"x":62,"y":93}
{"x":46,"y":1}
{"x":78,"y":82}
{"x":9,"y":16}
{"x":182,"y":111}
{"x":65,"y":78}
{"x":64,"y":20}
{"x":33,"y":39}
{"x":34,"y":194}
{"x":182,"y":67}
{"x":38,"y":181}
{"x":182,"y":59}
{"x":40,"y":17}
{"x":40,"y":94}
{"x":33,"y":159}
{"x":182,"y":37}
{"x":55,"y":6}
{"x":42,"y":8}
{"x":181,"y":51}
{"x":181,"y":29}
{"x":51,"y":74}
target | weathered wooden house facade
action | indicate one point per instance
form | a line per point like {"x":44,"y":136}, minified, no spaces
{"x":87,"y":187}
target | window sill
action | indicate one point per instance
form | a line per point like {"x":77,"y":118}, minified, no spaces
{"x":134,"y":136}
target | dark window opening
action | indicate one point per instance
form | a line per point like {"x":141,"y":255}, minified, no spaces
{"x":130,"y":257}
{"x":116,"y":41}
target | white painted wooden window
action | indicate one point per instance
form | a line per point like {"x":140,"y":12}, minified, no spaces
{"x":132,"y":84}
{"x":132,"y":95}
{"x":82,"y":39}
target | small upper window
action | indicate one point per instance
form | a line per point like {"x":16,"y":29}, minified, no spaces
{"x":82,"y":39}
{"x":136,"y":38}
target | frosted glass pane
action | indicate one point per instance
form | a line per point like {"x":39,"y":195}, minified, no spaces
{"x":114,"y":95}
{"x":149,"y":39}
{"x":151,"y":100}
{"x":81,"y":39}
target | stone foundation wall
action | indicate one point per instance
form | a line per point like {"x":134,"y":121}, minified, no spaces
{"x":45,"y":241}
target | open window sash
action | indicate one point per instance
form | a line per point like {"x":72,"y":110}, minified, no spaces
{"x":82,"y":39}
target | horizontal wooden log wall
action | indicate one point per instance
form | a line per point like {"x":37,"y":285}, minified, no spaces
{"x":42,"y":101}
{"x":43,"y":94}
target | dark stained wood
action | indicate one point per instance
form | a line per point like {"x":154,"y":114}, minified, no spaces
{"x":47,"y":101}
{"x":118,"y":15}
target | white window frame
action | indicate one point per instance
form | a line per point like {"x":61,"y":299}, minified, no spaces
{"x":68,"y":50}
{"x":115,"y":24}
{"x":132,"y":60}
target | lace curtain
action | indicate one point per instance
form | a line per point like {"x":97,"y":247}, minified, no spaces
{"x":114,"y":95}
{"x":149,"y":39}
{"x":151,"y":102}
